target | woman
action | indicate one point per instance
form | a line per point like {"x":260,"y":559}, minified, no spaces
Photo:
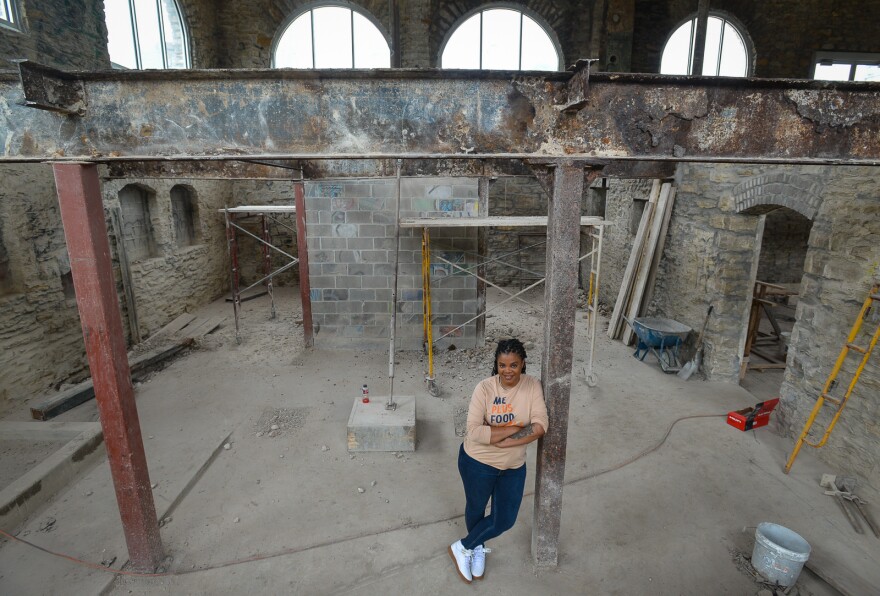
{"x":506,"y":413}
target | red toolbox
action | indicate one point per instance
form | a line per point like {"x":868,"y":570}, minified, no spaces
{"x":754,"y":417}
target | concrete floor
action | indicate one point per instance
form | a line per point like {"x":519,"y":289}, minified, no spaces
{"x":283,"y":514}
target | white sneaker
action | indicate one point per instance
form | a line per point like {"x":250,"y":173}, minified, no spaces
{"x":462,"y":559}
{"x":478,"y":562}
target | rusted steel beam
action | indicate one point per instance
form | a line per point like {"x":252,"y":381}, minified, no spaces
{"x":302,"y":248}
{"x":82,"y":216}
{"x":350,"y":168}
{"x":563,"y":243}
{"x":452,"y":115}
{"x":50,"y":89}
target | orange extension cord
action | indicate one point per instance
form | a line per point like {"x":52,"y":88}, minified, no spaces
{"x":290,"y":551}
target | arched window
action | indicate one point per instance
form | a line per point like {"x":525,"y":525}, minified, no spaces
{"x":331,"y":37}
{"x":725,"y":55}
{"x":146,"y":34}
{"x":500,"y":39}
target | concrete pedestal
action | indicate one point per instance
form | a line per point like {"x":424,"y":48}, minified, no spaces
{"x":373,"y":428}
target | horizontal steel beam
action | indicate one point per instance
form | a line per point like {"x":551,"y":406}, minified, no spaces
{"x":442,"y":115}
{"x":359,"y":168}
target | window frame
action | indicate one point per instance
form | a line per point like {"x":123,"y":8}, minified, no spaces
{"x":14,"y":23}
{"x":136,"y":38}
{"x":522,"y":10}
{"x":854,"y":59}
{"x":725,"y":17}
{"x":310,"y":8}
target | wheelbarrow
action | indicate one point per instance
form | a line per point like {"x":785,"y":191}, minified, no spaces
{"x":661,"y":337}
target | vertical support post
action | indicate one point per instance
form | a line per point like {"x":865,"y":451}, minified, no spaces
{"x":482,"y":251}
{"x":563,"y":245}
{"x":267,"y":259}
{"x":82,"y":216}
{"x":232,"y":250}
{"x":302,"y":251}
{"x":700,"y":37}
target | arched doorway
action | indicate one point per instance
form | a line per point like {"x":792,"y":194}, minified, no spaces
{"x":788,"y":203}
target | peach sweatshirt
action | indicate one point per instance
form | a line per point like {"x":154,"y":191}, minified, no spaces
{"x":492,"y":404}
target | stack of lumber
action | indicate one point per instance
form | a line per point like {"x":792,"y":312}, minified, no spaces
{"x":637,"y":286}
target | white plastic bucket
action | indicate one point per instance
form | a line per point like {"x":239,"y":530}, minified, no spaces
{"x":779,"y":553}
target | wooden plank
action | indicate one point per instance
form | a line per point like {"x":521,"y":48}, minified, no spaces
{"x":658,"y":254}
{"x":175,"y":325}
{"x":614,"y":323}
{"x":67,"y":400}
{"x":838,"y":575}
{"x":202,"y":327}
{"x":498,"y":221}
{"x":762,"y":367}
{"x":125,"y":270}
{"x":646,"y":259}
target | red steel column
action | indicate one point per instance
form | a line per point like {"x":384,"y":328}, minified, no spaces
{"x":302,"y":248}
{"x":82,"y":215}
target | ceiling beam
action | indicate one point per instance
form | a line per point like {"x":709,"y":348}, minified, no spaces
{"x":434,"y":115}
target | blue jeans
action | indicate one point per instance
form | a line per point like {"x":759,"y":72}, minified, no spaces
{"x":481,"y":482}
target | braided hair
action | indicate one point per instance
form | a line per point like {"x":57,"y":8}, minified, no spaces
{"x":509,"y":346}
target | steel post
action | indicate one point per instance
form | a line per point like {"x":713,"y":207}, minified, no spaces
{"x":563,"y":246}
{"x":302,"y":248}
{"x":82,"y":216}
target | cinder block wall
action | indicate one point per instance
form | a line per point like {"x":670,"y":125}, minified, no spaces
{"x":351,"y":238}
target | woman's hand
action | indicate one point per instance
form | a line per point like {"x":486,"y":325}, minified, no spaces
{"x":522,"y":436}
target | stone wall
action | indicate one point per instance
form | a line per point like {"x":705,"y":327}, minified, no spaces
{"x":518,"y":268}
{"x":282,"y":229}
{"x":351,"y":255}
{"x":66,"y":35}
{"x":41,"y":342}
{"x":842,"y":258}
{"x":623,"y":202}
{"x":784,"y":247}
{"x":178,"y":278}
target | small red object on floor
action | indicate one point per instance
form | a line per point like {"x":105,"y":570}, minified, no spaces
{"x":755,"y":417}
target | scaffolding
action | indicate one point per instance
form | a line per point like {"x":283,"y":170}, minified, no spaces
{"x":596,"y":227}
{"x":233,"y":215}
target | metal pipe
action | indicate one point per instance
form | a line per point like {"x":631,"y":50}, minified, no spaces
{"x":391,"y":405}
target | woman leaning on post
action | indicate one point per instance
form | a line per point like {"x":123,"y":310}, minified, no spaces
{"x":506,"y":413}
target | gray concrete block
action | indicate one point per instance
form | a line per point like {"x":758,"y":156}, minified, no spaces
{"x":360,"y":269}
{"x":332,"y":268}
{"x":374,"y":256}
{"x":362,"y":295}
{"x":349,"y":281}
{"x":322,"y":281}
{"x":374,"y":231}
{"x":360,"y":217}
{"x":333,"y":243}
{"x":360,"y":243}
{"x":372,"y":427}
{"x":334,"y":294}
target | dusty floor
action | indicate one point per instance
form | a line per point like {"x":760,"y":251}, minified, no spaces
{"x":280,"y":510}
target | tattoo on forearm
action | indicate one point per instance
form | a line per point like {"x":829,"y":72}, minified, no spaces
{"x":526,"y":431}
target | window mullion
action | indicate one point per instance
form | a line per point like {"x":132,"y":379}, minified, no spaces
{"x":162,"y":46}
{"x":312,"y":21}
{"x":351,"y":17}
{"x":720,"y":47}
{"x":132,"y":11}
{"x":691,"y":41}
{"x":481,"y":40}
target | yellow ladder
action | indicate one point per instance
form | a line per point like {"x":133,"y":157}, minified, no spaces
{"x":873,"y":295}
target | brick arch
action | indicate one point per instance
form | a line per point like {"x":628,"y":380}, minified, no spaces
{"x":446,"y":16}
{"x":764,"y":193}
